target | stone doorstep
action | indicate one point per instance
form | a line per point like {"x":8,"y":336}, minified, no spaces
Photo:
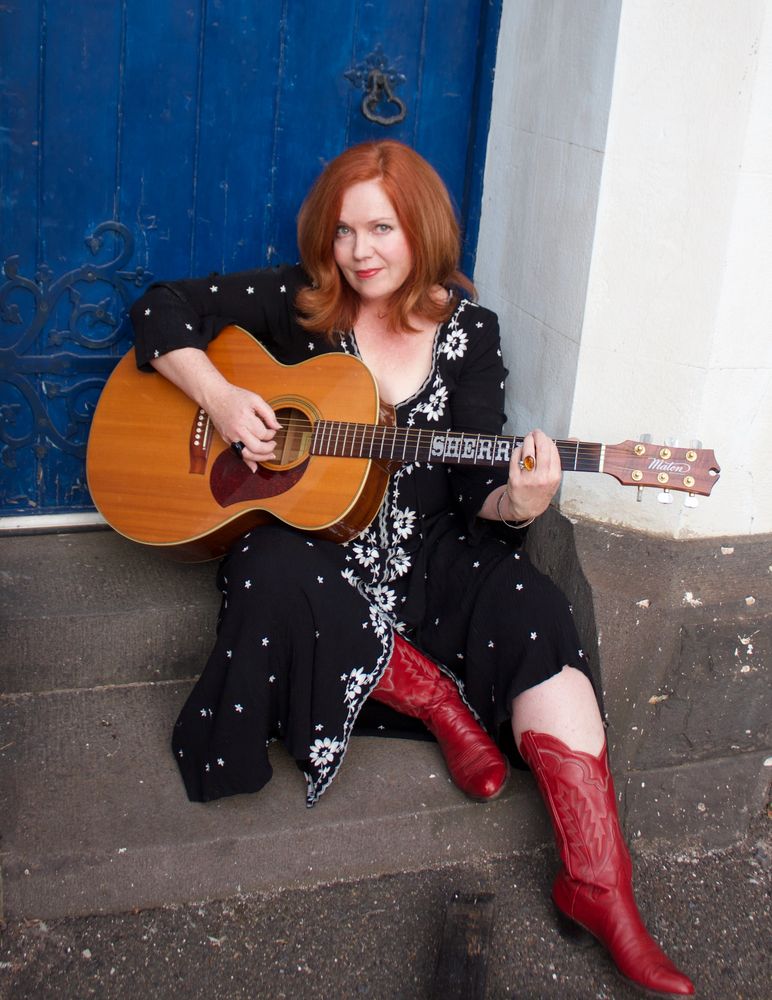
{"x":98,"y":817}
{"x":97,"y":820}
{"x":69,"y":603}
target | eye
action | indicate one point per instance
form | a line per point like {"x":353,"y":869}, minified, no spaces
{"x":341,"y":230}
{"x":383,"y":227}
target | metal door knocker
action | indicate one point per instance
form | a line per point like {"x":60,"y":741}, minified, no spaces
{"x":379,"y":89}
{"x":378,"y":79}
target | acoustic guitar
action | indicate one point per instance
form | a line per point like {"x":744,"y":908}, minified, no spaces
{"x":161,"y":475}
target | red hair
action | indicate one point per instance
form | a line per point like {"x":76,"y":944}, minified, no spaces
{"x":425,"y":212}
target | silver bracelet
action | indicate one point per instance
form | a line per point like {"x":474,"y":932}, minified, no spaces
{"x":511,"y":524}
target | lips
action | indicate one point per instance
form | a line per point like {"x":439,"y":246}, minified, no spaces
{"x":369,"y":273}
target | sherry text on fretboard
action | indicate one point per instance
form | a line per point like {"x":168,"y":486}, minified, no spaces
{"x":405,"y":444}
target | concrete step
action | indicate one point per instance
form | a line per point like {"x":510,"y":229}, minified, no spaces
{"x":100,"y":640}
{"x":95,"y":817}
{"x":92,"y":608}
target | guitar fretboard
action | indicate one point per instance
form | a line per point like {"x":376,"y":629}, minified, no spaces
{"x":406,"y":444}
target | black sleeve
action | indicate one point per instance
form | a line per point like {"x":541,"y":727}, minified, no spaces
{"x":191,"y":313}
{"x":477,"y":406}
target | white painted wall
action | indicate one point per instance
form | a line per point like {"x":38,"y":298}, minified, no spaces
{"x":626,"y":240}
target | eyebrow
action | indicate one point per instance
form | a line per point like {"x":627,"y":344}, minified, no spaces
{"x":371,"y":222}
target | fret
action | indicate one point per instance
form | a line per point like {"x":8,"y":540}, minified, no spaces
{"x":484,"y":451}
{"x":467,"y":453}
{"x":345,"y":438}
{"x":588,"y":459}
{"x":502,"y":450}
{"x":337,"y":436}
{"x":437,"y":446}
{"x":394,"y":439}
{"x":322,"y":432}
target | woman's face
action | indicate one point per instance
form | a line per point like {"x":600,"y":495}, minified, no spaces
{"x":371,"y":248}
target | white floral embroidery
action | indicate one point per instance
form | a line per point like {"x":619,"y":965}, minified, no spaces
{"x":400,"y":562}
{"x":356,"y":683}
{"x":365,"y":556}
{"x":404,"y":522}
{"x":434,"y":407}
{"x":456,"y":344}
{"x":378,"y":622}
{"x":383,"y":596}
{"x":324,"y":751}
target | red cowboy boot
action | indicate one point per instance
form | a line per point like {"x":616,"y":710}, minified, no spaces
{"x":414,"y":686}
{"x":594,"y":886}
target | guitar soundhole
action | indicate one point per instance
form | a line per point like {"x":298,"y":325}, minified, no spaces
{"x":293,"y":441}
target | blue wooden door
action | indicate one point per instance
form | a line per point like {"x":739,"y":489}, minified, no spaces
{"x":141,"y":140}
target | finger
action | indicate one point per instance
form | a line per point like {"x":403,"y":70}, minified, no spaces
{"x":261,"y":452}
{"x":266,"y":414}
{"x":527,"y":458}
{"x":544,"y":449}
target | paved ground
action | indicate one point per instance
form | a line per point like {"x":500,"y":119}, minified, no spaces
{"x":379,"y":938}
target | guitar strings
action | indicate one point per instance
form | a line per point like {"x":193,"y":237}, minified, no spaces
{"x":417,"y":435}
{"x":404,"y":438}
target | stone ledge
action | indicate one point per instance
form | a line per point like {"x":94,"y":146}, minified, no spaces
{"x":95,"y":817}
{"x":680,"y":638}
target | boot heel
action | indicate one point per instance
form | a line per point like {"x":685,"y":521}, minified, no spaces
{"x":571,"y":931}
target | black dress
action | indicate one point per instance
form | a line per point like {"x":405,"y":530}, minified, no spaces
{"x":306,"y":625}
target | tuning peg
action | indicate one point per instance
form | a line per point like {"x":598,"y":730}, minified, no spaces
{"x":695,"y":443}
{"x":690,"y":500}
{"x":671,"y":442}
{"x":639,"y":494}
{"x":644,"y":438}
{"x":665,"y":496}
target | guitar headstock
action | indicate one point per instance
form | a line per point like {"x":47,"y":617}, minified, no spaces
{"x":640,"y":463}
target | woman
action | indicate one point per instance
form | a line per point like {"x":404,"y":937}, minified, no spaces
{"x":430,"y":610}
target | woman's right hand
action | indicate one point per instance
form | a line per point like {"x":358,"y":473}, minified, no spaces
{"x":241,"y":415}
{"x":237,"y":414}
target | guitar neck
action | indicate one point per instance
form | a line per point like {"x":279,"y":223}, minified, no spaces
{"x":404,"y":444}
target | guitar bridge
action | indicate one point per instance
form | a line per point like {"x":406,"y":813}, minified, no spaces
{"x":199,"y":442}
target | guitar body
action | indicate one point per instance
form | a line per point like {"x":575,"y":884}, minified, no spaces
{"x":160,"y":474}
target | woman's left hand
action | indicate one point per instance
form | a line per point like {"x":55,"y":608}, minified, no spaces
{"x":534,"y":478}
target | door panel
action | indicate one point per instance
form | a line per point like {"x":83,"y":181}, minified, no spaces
{"x":142,"y":141}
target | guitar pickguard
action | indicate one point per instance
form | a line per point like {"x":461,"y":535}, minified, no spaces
{"x":231,"y":481}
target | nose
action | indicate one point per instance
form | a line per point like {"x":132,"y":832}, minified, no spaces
{"x":362,"y":246}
